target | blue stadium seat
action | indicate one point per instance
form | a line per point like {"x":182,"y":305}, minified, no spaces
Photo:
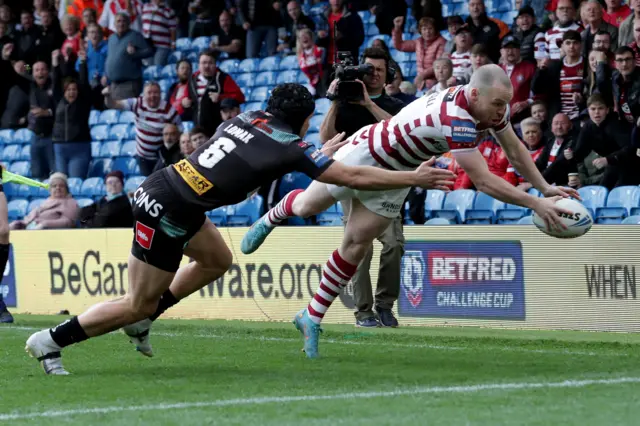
{"x":322,"y":106}
{"x":119,"y":131}
{"x":484,"y":210}
{"x":605,"y":220}
{"x":99,"y":168}
{"x":511,"y":214}
{"x":6,"y":135}
{"x":100,"y":132}
{"x":17,"y":209}
{"x":249,"y":65}
{"x":34,"y":204}
{"x":25,"y":153}
{"x":132,"y":183}
{"x":193,"y":58}
{"x":292,"y":181}
{"x":406,"y":68}
{"x":315,"y":122}
{"x":266,"y":78}
{"x":11,"y":153}
{"x":151,"y":72}
{"x":289,"y":63}
{"x":290,"y":76}
{"x":632,"y":220}
{"x":246,"y":90}
{"x":313,"y":138}
{"x":371,"y":30}
{"x":635,"y":211}
{"x":132,"y":133}
{"x":246,"y":212}
{"x":84,"y":202}
{"x":330,"y":217}
{"x":126,"y":165}
{"x":438,"y":221}
{"x":23,"y":136}
{"x":33,"y":192}
{"x":127,"y":117}
{"x":95,"y":149}
{"x":21,"y":167}
{"x":165,"y":85}
{"x":527,"y":220}
{"x":94,"y":117}
{"x":399,"y":56}
{"x":456,"y":203}
{"x":183,"y":44}
{"x":252,"y":106}
{"x":74,"y":185}
{"x":174,"y":57}
{"x":260,"y":94}
{"x":110,"y":149}
{"x":200,"y":43}
{"x":109,"y":116}
{"x":230,"y":66}
{"x":187,"y":126}
{"x":168,"y":72}
{"x":218,"y":216}
{"x":94,"y":186}
{"x":593,"y":197}
{"x":244,"y":80}
{"x":271,"y":63}
{"x":302,"y":78}
{"x":433,"y":201}
{"x":619,"y":204}
{"x":128,"y":148}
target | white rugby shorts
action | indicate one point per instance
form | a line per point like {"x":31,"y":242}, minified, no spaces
{"x":386,"y":203}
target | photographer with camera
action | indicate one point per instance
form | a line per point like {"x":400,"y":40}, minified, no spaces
{"x":359,"y":99}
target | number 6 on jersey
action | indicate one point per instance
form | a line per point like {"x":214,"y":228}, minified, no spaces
{"x":216,"y":152}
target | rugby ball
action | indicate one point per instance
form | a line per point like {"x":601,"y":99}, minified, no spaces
{"x":578,"y":223}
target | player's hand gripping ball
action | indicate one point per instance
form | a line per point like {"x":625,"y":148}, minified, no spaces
{"x":578,"y":223}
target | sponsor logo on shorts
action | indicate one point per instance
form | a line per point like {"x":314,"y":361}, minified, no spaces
{"x":144,"y":235}
{"x":150,"y":205}
{"x":194,"y":179}
{"x":391,"y":207}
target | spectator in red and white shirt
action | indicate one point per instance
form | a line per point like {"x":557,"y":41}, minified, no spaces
{"x":71,"y":46}
{"x":616,"y":12}
{"x":461,"y":57}
{"x":207,"y":88}
{"x":546,"y":44}
{"x":152,"y":113}
{"x":159,"y":26}
{"x":521,"y":74}
{"x":428,"y":48}
{"x":310,"y":57}
{"x":552,"y":163}
{"x":133,"y":8}
{"x":532,"y":137}
{"x":496,"y":159}
{"x":179,"y":92}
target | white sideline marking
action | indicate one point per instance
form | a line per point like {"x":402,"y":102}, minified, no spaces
{"x":307,"y":398}
{"x":346,"y":342}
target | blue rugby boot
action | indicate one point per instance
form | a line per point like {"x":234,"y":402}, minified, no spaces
{"x":256,"y":235}
{"x":311,"y":332}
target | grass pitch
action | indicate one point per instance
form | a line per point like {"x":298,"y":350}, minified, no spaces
{"x":238,"y":373}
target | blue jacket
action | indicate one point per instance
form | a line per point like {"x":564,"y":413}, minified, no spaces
{"x":121,"y":66}
{"x":96,"y":60}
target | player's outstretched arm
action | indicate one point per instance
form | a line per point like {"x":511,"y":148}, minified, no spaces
{"x":476,"y":167}
{"x":521,"y":160}
{"x":375,"y":179}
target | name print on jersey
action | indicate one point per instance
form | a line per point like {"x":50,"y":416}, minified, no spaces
{"x":142,"y":199}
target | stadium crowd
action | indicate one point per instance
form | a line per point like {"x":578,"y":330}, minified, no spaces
{"x":88,"y":77}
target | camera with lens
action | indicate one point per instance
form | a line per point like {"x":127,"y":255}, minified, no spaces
{"x":346,"y":72}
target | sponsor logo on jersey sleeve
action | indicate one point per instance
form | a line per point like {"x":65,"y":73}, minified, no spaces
{"x":463,"y":132}
{"x":144,"y":235}
{"x":451,"y":94}
{"x":315,"y":155}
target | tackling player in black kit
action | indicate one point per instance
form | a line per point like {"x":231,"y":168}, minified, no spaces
{"x":169,"y":210}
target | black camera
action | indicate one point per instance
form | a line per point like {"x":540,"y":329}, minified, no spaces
{"x":346,"y":72}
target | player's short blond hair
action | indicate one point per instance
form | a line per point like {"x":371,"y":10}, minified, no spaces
{"x":489,"y":76}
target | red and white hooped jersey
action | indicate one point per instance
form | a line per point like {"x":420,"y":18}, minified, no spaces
{"x":427,"y":127}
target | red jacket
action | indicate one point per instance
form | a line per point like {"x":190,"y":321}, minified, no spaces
{"x":496,"y":160}
{"x":515,"y":178}
{"x":521,"y":78}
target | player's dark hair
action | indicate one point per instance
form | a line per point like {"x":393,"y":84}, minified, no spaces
{"x":292,"y":104}
{"x":596,"y":98}
{"x":625,"y":49}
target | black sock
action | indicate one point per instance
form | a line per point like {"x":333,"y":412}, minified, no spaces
{"x":4,"y":256}
{"x":167,"y":300}
{"x":68,"y":333}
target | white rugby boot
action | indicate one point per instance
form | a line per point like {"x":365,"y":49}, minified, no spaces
{"x":42,"y":347}
{"x":139,"y":335}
